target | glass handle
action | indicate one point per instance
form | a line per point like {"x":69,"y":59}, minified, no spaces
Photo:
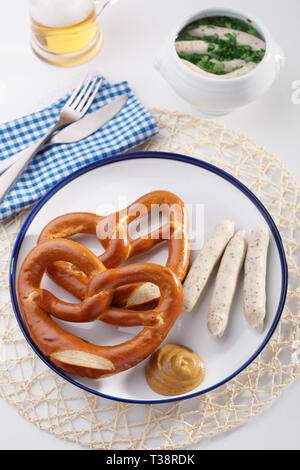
{"x":101,"y":4}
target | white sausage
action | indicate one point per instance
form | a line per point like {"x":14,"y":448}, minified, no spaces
{"x":237,"y":73}
{"x":192,"y":47}
{"x":255,"y":277}
{"x":242,"y":38}
{"x":205,"y":262}
{"x":201,"y":47}
{"x":229,"y":65}
{"x":226,"y":283}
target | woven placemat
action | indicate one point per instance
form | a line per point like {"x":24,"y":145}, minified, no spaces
{"x":65,"y":411}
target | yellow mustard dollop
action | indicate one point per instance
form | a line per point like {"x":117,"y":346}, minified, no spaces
{"x":174,"y":370}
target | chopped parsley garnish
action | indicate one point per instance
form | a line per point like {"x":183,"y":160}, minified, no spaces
{"x":203,"y":61}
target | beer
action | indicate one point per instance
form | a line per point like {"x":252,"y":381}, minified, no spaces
{"x":65,"y":31}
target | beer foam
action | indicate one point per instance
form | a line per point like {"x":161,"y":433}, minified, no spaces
{"x":60,"y":13}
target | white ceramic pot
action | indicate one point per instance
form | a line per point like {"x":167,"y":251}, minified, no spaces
{"x":220,"y":96}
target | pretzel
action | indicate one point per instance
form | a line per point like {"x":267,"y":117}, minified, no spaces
{"x":178,"y":242}
{"x":119,"y":247}
{"x":69,"y":276}
{"x":73,"y":354}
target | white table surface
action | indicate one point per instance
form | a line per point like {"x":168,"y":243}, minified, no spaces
{"x":134,"y":31}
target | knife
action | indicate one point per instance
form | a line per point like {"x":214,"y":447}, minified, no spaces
{"x":79,"y":130}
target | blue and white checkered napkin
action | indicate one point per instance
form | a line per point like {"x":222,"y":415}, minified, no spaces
{"x":132,"y":126}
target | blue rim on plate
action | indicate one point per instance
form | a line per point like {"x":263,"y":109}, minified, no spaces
{"x":141,"y":155}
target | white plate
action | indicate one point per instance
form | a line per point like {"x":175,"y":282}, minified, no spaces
{"x":195,"y":182}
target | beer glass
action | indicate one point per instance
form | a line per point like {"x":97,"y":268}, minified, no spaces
{"x":65,"y":32}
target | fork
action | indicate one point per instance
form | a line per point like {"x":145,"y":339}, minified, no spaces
{"x":74,"y":109}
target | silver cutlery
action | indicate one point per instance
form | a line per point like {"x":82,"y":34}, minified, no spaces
{"x":77,"y":131}
{"x":75,"y":108}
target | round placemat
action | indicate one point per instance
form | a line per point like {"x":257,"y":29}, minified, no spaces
{"x":65,"y":411}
